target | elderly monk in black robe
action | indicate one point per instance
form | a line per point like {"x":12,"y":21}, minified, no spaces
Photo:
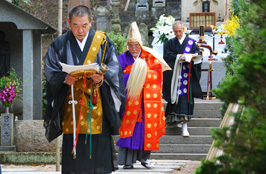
{"x":181,"y":85}
{"x":99,"y":99}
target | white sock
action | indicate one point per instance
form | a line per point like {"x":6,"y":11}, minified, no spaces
{"x":184,"y":127}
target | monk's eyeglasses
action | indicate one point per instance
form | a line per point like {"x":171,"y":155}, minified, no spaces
{"x":133,"y":46}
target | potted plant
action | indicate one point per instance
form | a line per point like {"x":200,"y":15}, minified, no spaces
{"x":10,"y":86}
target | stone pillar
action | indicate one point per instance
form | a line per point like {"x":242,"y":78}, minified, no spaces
{"x":101,"y":15}
{"x":27,"y":62}
{"x":116,"y":27}
{"x":37,"y":76}
{"x":226,"y":9}
{"x":7,"y":129}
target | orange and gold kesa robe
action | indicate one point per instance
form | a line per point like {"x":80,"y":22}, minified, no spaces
{"x":153,"y":105}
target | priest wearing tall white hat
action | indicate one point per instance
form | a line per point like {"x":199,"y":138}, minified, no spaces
{"x":143,"y":121}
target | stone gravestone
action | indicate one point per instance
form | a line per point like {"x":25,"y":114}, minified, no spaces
{"x":158,"y":3}
{"x":7,"y":129}
{"x":142,"y":5}
{"x":144,"y":33}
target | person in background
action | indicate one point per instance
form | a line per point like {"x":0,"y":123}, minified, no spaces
{"x":143,"y":121}
{"x":98,"y":98}
{"x":180,"y":101}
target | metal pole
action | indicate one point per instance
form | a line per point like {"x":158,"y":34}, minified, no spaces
{"x":60,"y":7}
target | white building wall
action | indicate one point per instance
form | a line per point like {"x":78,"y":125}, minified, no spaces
{"x":188,"y":7}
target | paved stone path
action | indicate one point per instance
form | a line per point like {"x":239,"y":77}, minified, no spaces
{"x":161,"y":167}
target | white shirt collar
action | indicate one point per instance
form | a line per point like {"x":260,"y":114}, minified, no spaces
{"x":82,"y":44}
{"x":182,"y":39}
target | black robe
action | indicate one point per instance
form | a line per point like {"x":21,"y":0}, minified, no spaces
{"x":183,"y":110}
{"x":65,"y":49}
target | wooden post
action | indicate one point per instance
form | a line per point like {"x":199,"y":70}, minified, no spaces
{"x":227,"y":121}
{"x":60,"y":7}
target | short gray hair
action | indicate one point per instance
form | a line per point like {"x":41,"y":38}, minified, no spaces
{"x":177,"y":23}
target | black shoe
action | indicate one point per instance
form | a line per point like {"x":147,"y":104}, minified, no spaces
{"x":147,"y":164}
{"x":128,"y":167}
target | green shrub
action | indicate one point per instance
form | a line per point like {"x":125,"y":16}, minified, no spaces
{"x":245,"y":146}
{"x":119,"y":41}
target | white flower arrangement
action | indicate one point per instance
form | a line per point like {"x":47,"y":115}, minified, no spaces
{"x":163,"y":30}
{"x":221,"y":29}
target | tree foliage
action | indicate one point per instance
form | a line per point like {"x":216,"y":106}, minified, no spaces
{"x":245,"y":146}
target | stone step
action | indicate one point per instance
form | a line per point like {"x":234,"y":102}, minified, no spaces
{"x":207,"y":113}
{"x":200,"y":104}
{"x":181,"y":148}
{"x":177,"y":139}
{"x":184,"y":148}
{"x":205,"y":122}
{"x":193,"y":139}
{"x":207,"y":104}
{"x":160,"y":167}
{"x":179,"y":156}
{"x":141,"y":169}
{"x":191,"y":130}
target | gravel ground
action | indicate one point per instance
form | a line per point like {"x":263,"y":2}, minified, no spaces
{"x":30,"y":168}
{"x":188,"y":168}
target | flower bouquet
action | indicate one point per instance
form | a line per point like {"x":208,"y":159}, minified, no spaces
{"x":163,"y":30}
{"x":10,"y":86}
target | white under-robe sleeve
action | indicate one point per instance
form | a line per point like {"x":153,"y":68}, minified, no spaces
{"x":117,"y":102}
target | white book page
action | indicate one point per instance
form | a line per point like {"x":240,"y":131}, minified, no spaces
{"x":70,"y":68}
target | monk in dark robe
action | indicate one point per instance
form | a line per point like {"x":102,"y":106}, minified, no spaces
{"x":99,"y":98}
{"x":180,"y":100}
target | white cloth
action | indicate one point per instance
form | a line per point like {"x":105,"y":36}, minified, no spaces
{"x":175,"y":81}
{"x":117,"y":102}
{"x":182,"y":39}
{"x":82,"y":44}
{"x":158,"y":56}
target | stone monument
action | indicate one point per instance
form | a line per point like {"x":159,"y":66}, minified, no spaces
{"x":101,"y":15}
{"x":144,"y":33}
{"x":158,"y":3}
{"x":7,"y":132}
{"x":142,"y":5}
